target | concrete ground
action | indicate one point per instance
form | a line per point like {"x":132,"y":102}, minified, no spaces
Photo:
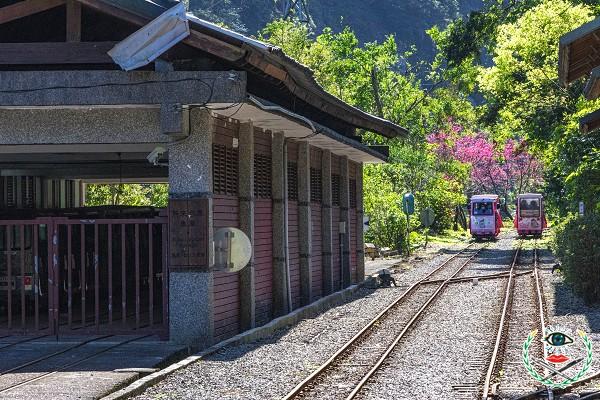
{"x":78,"y":367}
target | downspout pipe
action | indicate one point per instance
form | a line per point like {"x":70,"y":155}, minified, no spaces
{"x":282,"y":110}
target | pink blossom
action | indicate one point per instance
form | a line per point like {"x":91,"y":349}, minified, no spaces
{"x":501,"y":170}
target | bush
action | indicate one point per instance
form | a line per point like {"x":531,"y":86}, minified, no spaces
{"x":577,"y":245}
{"x":442,"y":196}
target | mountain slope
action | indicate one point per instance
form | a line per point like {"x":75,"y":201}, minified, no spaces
{"x":370,"y":19}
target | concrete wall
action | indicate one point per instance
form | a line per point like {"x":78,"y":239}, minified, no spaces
{"x":80,"y":126}
{"x":190,"y":290}
{"x":77,"y":88}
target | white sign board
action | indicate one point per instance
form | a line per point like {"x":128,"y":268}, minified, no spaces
{"x":232,"y":250}
{"x":366,"y":221}
{"x":581,"y":208}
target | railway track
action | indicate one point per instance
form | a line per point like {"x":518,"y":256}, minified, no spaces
{"x":523,"y":292}
{"x":347,"y":371}
{"x":46,"y":366}
{"x":18,"y":342}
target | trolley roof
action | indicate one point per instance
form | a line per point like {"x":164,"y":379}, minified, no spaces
{"x":484,"y":197}
{"x":525,"y":195}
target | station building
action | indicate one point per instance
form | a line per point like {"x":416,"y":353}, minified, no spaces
{"x":243,"y":135}
{"x":579,"y":56}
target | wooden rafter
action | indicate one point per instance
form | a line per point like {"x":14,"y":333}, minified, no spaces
{"x":73,"y":21}
{"x":196,"y":39}
{"x":26,"y":8}
{"x":55,"y":53}
{"x":590,"y":122}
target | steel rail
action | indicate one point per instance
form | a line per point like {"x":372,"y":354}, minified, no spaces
{"x":497,"y":275}
{"x":296,"y":391}
{"x":501,"y":329}
{"x":540,"y":297}
{"x":29,"y":339}
{"x":70,"y":365}
{"x":501,"y":326}
{"x":406,"y":328}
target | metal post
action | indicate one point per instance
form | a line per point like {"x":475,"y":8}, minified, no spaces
{"x":407,"y":234}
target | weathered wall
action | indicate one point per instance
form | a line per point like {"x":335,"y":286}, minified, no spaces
{"x":69,"y":88}
{"x":191,"y":299}
{"x":81,"y":126}
{"x":226,"y":289}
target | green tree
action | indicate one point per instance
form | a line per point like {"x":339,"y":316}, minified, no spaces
{"x":154,"y":195}
{"x":375,"y":78}
{"x":521,"y":87}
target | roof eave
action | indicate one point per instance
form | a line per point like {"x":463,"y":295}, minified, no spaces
{"x":306,"y":87}
{"x":563,"y":64}
{"x":592,"y":87}
{"x":590,"y":122}
{"x":564,"y":49}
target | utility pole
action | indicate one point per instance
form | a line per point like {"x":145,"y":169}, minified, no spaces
{"x":295,"y":9}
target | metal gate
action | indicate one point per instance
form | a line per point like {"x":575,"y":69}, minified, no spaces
{"x":61,"y":276}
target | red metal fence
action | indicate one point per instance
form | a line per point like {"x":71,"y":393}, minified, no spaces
{"x":60,"y":275}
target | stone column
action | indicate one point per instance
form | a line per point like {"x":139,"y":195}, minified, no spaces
{"x":191,"y":290}
{"x":246,"y":196}
{"x":304,"y":222}
{"x":345,"y":218}
{"x":326,"y":220}
{"x":278,"y":171}
{"x":360,"y":237}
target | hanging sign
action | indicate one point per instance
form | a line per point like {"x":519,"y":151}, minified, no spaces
{"x":427,"y":217}
{"x":408,"y":204}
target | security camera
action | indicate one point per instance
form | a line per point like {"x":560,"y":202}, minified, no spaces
{"x":155,"y":155}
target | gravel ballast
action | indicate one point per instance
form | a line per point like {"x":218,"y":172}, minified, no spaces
{"x":567,"y":309}
{"x":270,"y":368}
{"x":444,"y":356}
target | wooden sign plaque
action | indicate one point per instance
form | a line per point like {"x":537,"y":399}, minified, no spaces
{"x":188,"y":233}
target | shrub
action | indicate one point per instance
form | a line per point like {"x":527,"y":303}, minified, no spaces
{"x":577,"y":245}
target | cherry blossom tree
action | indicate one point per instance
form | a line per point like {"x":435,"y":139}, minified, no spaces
{"x":503,"y":169}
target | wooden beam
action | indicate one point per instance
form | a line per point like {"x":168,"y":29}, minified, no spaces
{"x":214,"y":46}
{"x":26,"y":8}
{"x":55,"y":53}
{"x":590,"y":122}
{"x":73,"y":21}
{"x":196,"y":39}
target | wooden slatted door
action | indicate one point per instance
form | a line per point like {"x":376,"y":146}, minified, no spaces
{"x":25,"y":277}
{"x":263,"y":227}
{"x":226,"y":286}
{"x":335,"y":222}
{"x":293,"y":244}
{"x":73,"y":276}
{"x":316,"y":200}
{"x":352,"y":225}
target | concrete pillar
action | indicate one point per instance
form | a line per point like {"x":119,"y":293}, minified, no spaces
{"x":326,"y":220}
{"x":304,"y":222}
{"x":345,"y":218}
{"x":246,"y":196}
{"x":360,"y":212}
{"x":191,"y":290}
{"x":278,"y":171}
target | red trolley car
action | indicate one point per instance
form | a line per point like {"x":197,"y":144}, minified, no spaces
{"x":530,"y":218}
{"x":485,"y":218}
